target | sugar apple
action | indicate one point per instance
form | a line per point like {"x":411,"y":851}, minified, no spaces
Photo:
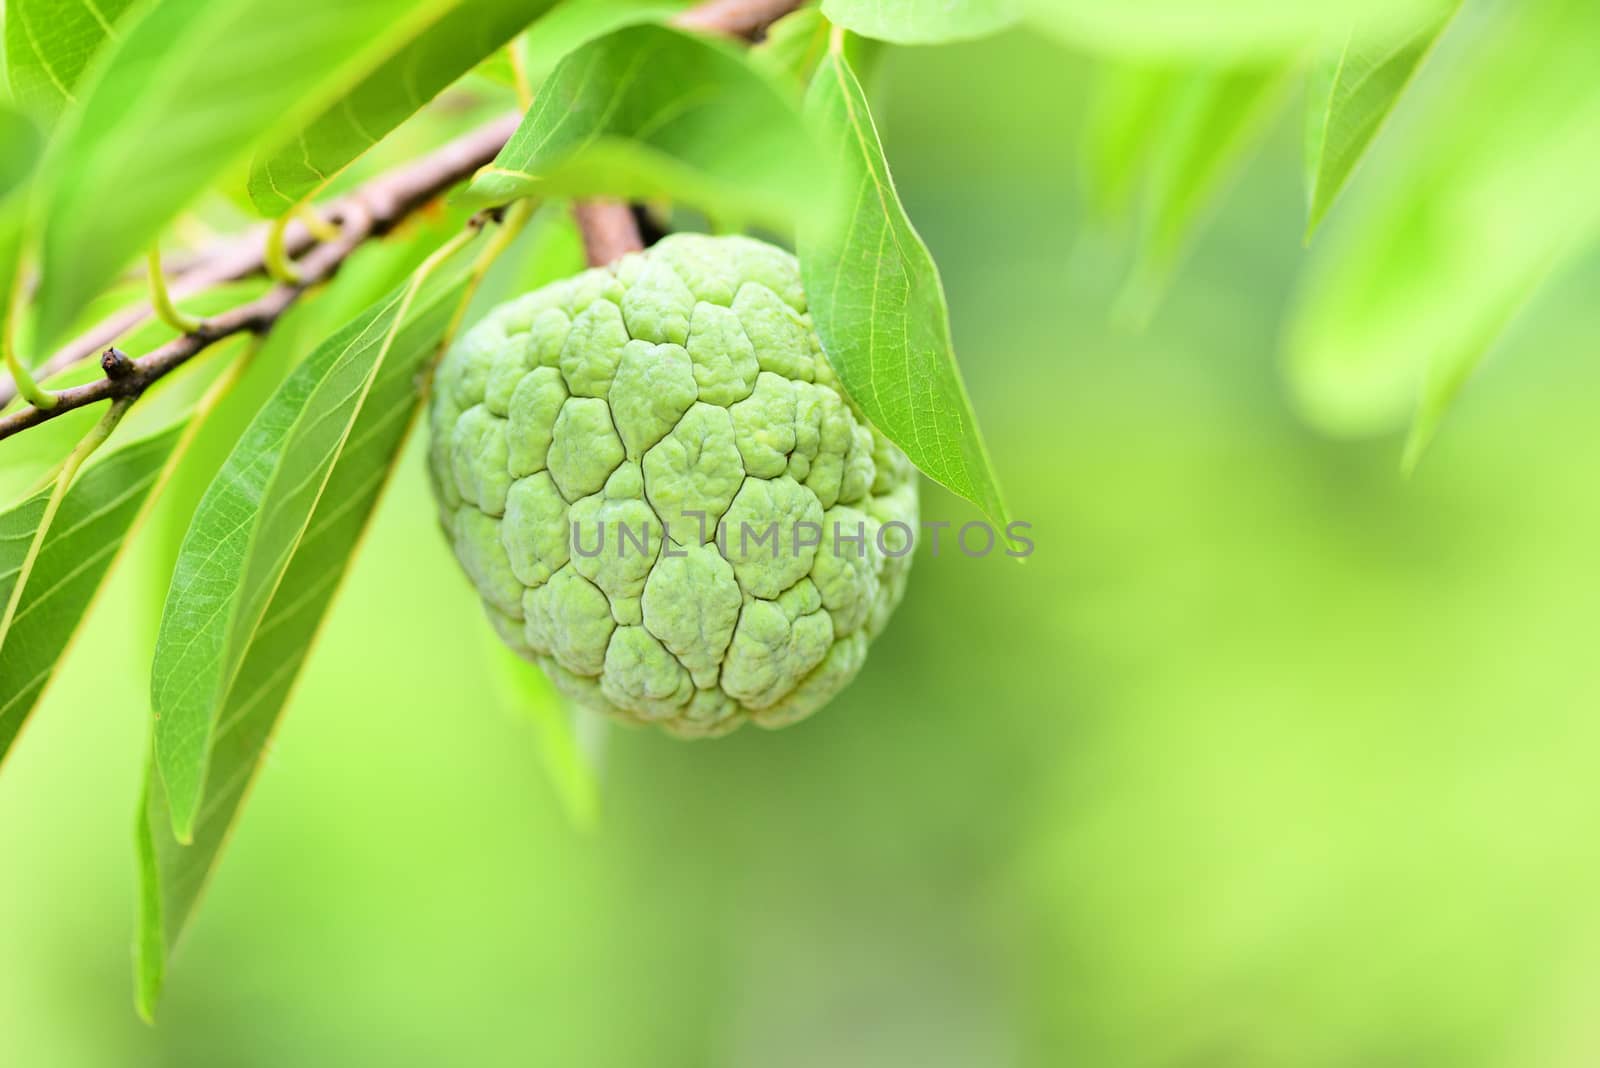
{"x":611,"y":456}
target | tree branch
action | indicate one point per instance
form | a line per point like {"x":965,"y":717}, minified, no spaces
{"x":735,"y":18}
{"x":370,"y":212}
{"x":244,"y":256}
{"x":609,"y":231}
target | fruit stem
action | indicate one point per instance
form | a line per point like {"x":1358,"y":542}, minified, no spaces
{"x":608,"y":228}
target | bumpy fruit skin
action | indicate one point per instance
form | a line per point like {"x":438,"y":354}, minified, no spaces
{"x":684,"y":379}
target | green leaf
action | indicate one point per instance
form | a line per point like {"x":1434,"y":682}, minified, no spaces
{"x":793,"y":46}
{"x":313,"y":442}
{"x":496,"y":68}
{"x":796,"y":44}
{"x":1217,"y":120}
{"x":49,"y":43}
{"x":569,"y":26}
{"x":647,"y":111}
{"x":94,"y":521}
{"x":1351,"y":96}
{"x":22,"y":146}
{"x":185,"y":94}
{"x":103,"y":506}
{"x":1129,"y":106}
{"x":23,"y":143}
{"x":364,"y":279}
{"x":574,"y":23}
{"x":263,"y":560}
{"x":410,"y":78}
{"x":1491,"y":191}
{"x":879,"y":307}
{"x":913,"y":22}
{"x":1220,"y":29}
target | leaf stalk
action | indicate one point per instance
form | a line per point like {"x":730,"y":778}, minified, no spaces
{"x":69,"y":470}
{"x":161,"y":298}
{"x":27,"y":388}
{"x":316,"y":224}
{"x":279,"y":267}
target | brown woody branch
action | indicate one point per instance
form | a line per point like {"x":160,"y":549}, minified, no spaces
{"x":735,"y":18}
{"x":239,"y":259}
{"x":406,"y":188}
{"x":370,"y":212}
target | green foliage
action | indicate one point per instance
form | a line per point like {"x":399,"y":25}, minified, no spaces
{"x":187,"y":91}
{"x":164,"y":105}
{"x":258,"y":570}
{"x":914,"y":22}
{"x":49,"y":44}
{"x":79,"y":543}
{"x":568,"y":26}
{"x":793,"y":47}
{"x":878,"y":304}
{"x":407,"y":80}
{"x":1129,"y":104}
{"x":126,"y":115}
{"x":1353,"y":93}
{"x":1161,"y":144}
{"x":23,"y":145}
{"x":362,"y":282}
{"x":797,"y":43}
{"x":75,"y":553}
{"x":572,"y":24}
{"x":647,"y":112}
{"x":1207,"y":124}
{"x":1490,"y":192}
{"x":318,"y":434}
{"x":1219,"y":29}
{"x":1397,"y":311}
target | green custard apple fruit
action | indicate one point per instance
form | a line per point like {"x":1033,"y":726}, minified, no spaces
{"x":663,"y":496}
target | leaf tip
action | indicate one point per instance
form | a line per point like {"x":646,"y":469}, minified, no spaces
{"x":1134,"y":306}
{"x":144,"y":1000}
{"x":182,"y":811}
{"x":181,"y":802}
{"x":1417,"y":441}
{"x":1316,"y":212}
{"x":1310,"y":232}
{"x":149,"y":951}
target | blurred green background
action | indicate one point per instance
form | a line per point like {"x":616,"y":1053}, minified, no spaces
{"x":1269,"y":756}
